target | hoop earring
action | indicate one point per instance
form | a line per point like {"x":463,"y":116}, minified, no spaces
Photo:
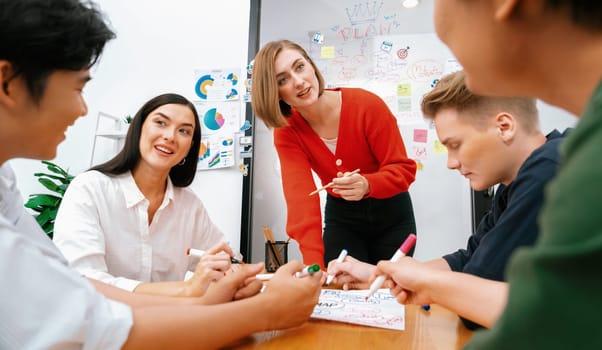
{"x":182,"y":162}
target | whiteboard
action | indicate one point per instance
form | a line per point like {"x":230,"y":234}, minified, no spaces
{"x":381,"y":47}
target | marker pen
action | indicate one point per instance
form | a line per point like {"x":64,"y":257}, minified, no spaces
{"x":199,"y":253}
{"x":340,"y":259}
{"x":308,"y":270}
{"x":195,"y":252}
{"x":264,"y":276}
{"x":401,"y":252}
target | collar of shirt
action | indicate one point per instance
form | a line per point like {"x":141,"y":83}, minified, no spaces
{"x":132,"y":193}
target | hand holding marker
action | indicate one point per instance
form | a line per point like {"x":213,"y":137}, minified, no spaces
{"x":340,"y":259}
{"x":199,"y":253}
{"x":308,"y":270}
{"x":401,"y":252}
{"x":328,"y":185}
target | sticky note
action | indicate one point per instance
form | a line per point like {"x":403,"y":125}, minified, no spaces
{"x":419,"y":152}
{"x":420,"y":135}
{"x":327,"y":52}
{"x":404,"y":90}
{"x":404,"y":104}
{"x":439,"y":148}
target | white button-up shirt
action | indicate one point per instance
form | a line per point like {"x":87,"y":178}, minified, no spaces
{"x":44,"y":304}
{"x":102,"y":229}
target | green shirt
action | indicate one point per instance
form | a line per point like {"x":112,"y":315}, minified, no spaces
{"x":555,"y":299}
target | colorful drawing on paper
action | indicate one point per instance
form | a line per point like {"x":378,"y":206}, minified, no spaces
{"x":213,"y":120}
{"x":217,"y":85}
{"x":204,"y":150}
{"x":216,"y":152}
{"x":219,"y":117}
{"x":381,"y":310}
{"x":220,"y":121}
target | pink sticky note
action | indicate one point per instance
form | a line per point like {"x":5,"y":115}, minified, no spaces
{"x":420,"y":135}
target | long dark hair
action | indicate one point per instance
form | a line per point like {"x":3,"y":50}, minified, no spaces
{"x":129,"y":156}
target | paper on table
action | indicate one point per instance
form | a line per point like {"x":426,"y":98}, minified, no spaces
{"x":381,"y":310}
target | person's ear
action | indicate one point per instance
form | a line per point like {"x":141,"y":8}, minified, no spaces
{"x":7,"y":84}
{"x":505,"y":9}
{"x":506,"y":126}
{"x":6,"y":76}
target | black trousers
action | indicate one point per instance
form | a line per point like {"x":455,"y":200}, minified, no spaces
{"x":370,"y":229}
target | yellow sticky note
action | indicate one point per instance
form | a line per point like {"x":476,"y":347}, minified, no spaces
{"x":439,"y":148}
{"x":404,"y":90}
{"x":327,"y":52}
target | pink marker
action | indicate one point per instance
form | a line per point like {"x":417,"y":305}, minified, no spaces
{"x":400,"y":253}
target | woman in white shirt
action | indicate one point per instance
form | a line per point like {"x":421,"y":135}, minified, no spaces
{"x":129,"y":222}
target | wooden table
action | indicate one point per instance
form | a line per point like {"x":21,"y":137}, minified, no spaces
{"x":435,"y":329}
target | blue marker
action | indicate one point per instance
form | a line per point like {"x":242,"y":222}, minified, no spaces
{"x":426,"y":307}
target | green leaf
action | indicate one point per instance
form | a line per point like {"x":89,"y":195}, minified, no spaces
{"x":62,"y":179}
{"x":43,"y":200}
{"x":49,"y":229}
{"x":47,"y":205}
{"x":49,"y":184}
{"x":45,"y":216}
{"x":55,"y":168}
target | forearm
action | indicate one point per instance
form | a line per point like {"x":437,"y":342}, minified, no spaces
{"x":477,"y":299}
{"x":439,"y":264}
{"x":194,"y":327}
{"x":172,"y":288}
{"x":138,"y":300}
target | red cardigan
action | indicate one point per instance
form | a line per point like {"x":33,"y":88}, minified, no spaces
{"x":368,"y":139}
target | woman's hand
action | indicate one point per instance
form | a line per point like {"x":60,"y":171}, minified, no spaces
{"x":350,"y":187}
{"x":351,"y":273}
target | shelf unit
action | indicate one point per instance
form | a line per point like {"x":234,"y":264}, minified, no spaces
{"x":111,"y":128}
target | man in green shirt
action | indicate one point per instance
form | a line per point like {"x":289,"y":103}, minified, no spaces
{"x":550,"y":49}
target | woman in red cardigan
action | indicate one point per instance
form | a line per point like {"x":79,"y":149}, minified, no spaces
{"x":333,"y":132}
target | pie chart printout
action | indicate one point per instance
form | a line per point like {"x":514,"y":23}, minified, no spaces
{"x":213,"y":119}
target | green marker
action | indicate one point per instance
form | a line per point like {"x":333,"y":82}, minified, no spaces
{"x":308,"y":270}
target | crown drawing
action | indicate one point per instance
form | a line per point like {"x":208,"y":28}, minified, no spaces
{"x":364,"y":12}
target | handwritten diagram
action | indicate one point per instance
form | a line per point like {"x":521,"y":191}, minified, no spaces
{"x":381,"y":310}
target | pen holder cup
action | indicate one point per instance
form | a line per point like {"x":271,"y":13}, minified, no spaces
{"x":276,"y":255}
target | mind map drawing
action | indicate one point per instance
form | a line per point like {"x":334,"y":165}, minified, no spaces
{"x":381,"y":310}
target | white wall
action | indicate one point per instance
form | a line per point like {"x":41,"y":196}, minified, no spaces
{"x":159,"y":45}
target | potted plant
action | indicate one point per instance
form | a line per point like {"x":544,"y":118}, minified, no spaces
{"x":46,"y":205}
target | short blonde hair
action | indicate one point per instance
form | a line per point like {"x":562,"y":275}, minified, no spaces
{"x":265,"y":99}
{"x":451,"y":92}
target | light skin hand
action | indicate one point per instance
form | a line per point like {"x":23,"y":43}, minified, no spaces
{"x":351,"y":188}
{"x":292,"y":299}
{"x":194,"y":287}
{"x":217,"y":257}
{"x":197,"y":285}
{"x":472,"y":297}
{"x":235,"y":285}
{"x":407,"y":279}
{"x":351,"y":273}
